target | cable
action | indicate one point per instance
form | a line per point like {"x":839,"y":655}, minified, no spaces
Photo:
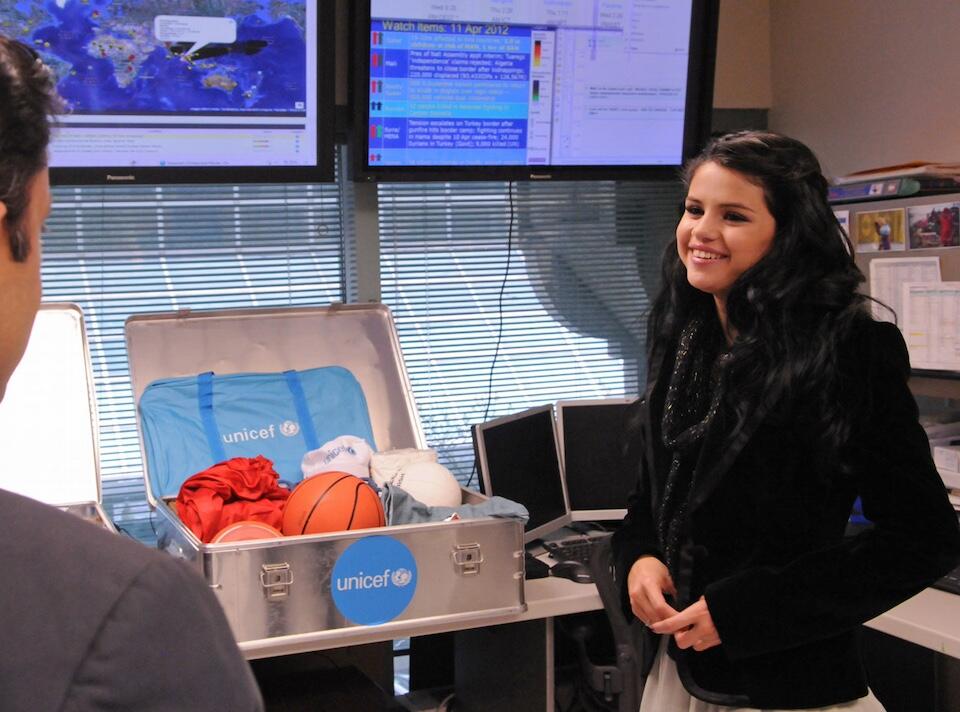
{"x":446,"y":703}
{"x":496,"y":350}
{"x":503,"y":287}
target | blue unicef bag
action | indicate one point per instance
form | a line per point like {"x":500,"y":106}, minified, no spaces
{"x":194,"y":422}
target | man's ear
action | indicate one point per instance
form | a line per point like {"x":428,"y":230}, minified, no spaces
{"x":5,"y":249}
{"x":3,"y":222}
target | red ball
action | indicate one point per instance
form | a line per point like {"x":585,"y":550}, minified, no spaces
{"x":332,"y":502}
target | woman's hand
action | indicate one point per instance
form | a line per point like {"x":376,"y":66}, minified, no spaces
{"x":691,"y":628}
{"x":647,"y":581}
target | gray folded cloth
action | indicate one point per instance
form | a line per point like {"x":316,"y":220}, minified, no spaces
{"x":401,"y":508}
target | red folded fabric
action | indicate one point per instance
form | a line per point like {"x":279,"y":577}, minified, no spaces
{"x":231,"y":491}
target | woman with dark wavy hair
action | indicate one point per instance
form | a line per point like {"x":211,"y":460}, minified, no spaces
{"x":773,"y":401}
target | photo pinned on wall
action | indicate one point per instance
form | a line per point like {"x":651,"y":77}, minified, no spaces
{"x":935,"y":225}
{"x":881,"y":231}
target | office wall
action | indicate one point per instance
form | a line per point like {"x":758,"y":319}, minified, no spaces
{"x":742,"y":79}
{"x":867,"y":82}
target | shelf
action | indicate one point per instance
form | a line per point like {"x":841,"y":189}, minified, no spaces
{"x":933,"y":373}
{"x":946,"y":384}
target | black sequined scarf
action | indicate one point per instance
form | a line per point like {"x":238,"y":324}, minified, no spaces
{"x":693,"y":398}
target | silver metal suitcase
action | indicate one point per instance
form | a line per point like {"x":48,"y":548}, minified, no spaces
{"x":50,"y":398}
{"x":299,"y":591}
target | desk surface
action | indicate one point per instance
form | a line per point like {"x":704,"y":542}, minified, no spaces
{"x":929,"y":619}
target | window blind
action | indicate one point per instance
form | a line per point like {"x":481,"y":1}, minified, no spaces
{"x":124,"y":250}
{"x":561,"y":274}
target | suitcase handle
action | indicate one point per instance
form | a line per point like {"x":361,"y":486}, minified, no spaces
{"x":205,"y":398}
{"x":212,"y":430}
{"x":303,"y":411}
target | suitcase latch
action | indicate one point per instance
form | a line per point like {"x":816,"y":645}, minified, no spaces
{"x":467,"y":559}
{"x":276,"y":580}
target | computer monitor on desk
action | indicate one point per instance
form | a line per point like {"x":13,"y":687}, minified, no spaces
{"x":518,"y":458}
{"x":598,"y":478}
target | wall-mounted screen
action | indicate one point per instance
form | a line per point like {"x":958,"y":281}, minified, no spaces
{"x":531,"y":88}
{"x":165,"y":91}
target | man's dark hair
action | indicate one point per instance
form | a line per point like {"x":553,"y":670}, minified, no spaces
{"x":28,"y":101}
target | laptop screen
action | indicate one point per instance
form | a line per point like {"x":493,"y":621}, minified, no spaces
{"x":598,"y":477}
{"x":519,"y":459}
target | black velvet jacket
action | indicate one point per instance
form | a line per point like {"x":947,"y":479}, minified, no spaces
{"x":786,"y":590}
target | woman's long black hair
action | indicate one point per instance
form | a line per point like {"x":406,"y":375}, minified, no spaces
{"x":793,"y":308}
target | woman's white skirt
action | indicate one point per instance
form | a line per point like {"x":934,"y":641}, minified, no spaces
{"x":665,"y":693}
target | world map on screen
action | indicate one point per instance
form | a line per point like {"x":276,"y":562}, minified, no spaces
{"x":169,"y":56}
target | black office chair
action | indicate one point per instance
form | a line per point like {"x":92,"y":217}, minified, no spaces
{"x":634,"y":648}
{"x":620,"y":681}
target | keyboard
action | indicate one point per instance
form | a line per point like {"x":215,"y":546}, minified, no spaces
{"x":950,"y":582}
{"x":572,"y":549}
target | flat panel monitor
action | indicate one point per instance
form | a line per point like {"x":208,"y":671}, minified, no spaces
{"x":168,"y":91}
{"x":530,"y":89}
{"x":598,"y":477}
{"x":518,"y":458}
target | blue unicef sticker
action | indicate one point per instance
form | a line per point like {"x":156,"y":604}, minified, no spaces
{"x":374,"y":580}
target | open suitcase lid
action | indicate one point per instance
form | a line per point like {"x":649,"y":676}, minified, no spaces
{"x":360,"y":338}
{"x":48,"y":415}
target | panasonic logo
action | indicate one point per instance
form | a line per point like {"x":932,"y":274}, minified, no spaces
{"x":110,"y":177}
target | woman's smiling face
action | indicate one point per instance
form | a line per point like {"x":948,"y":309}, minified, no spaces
{"x":725,"y":230}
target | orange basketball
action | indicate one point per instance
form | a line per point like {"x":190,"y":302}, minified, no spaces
{"x":331,"y":502}
{"x":246,"y":530}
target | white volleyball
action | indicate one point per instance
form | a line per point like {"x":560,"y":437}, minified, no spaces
{"x":430,"y":483}
{"x":386,"y":465}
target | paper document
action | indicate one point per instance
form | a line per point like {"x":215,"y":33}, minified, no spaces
{"x":911,"y":168}
{"x":931,"y":324}
{"x":889,"y":274}
{"x":843,"y":217}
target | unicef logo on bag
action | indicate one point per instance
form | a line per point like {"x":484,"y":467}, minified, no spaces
{"x":374,"y":580}
{"x":289,"y":428}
